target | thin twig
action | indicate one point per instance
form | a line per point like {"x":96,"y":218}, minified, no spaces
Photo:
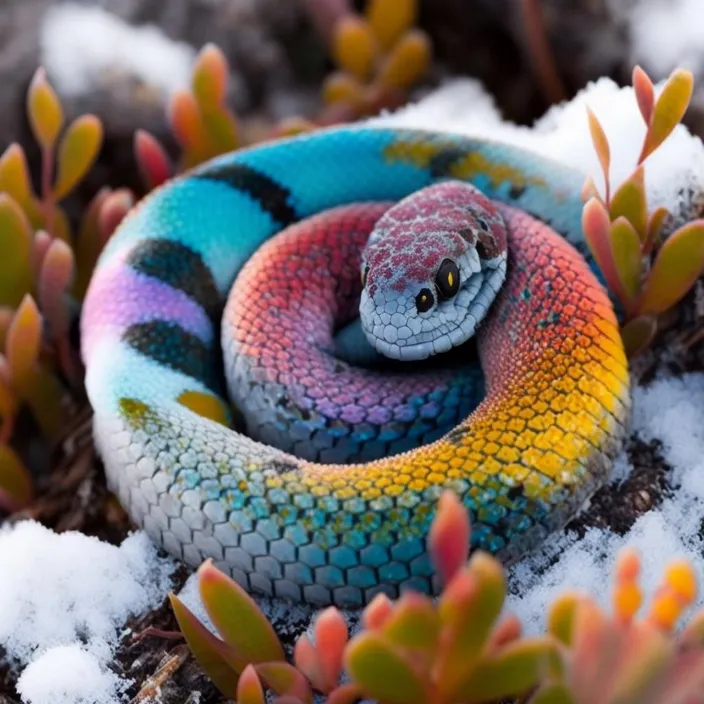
{"x":540,"y":53}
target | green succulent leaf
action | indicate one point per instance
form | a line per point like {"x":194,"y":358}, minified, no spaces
{"x":210,"y":73}
{"x":382,"y":671}
{"x":414,"y":624}
{"x":43,"y":394}
{"x":23,"y":342}
{"x":629,"y":201}
{"x":237,"y":617}
{"x":669,"y":109}
{"x":561,"y":617}
{"x":14,"y":174}
{"x":678,"y":264}
{"x":221,"y":131}
{"x":601,"y":145}
{"x":655,"y":223}
{"x":626,"y":248}
{"x":15,"y":481}
{"x":46,"y":116}
{"x":78,"y":151}
{"x":516,"y":670}
{"x":16,"y":249}
{"x":220,"y":662}
{"x":553,"y":693}
{"x":638,"y":333}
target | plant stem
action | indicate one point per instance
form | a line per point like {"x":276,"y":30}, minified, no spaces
{"x":539,"y":50}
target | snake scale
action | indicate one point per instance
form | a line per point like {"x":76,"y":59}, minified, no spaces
{"x":343,"y":511}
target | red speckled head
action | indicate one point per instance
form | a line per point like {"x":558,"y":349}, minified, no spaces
{"x":431,"y":269}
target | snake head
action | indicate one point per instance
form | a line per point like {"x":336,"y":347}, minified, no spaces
{"x":430,"y":270}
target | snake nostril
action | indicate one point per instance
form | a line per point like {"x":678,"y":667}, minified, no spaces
{"x":424,"y":300}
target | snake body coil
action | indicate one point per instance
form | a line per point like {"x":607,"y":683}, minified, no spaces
{"x":523,"y":462}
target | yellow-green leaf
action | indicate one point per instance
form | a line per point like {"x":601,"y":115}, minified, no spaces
{"x":414,"y":623}
{"x":220,"y":662}
{"x":78,"y":150}
{"x":669,"y":109}
{"x":638,"y":333}
{"x":14,"y":174}
{"x":561,"y":617}
{"x":512,"y":673}
{"x":678,"y":264}
{"x":210,"y":73}
{"x":389,"y":19}
{"x":46,"y":116}
{"x":24,"y":338}
{"x":341,"y":87}
{"x":408,"y":61}
{"x":655,"y":224}
{"x":625,"y":245}
{"x":221,"y":129}
{"x":15,"y":481}
{"x":237,"y":617}
{"x":553,"y":693}
{"x":43,"y":394}
{"x":354,"y":46}
{"x":15,"y":252}
{"x":601,"y":145}
{"x":382,"y":671}
{"x":285,"y":680}
{"x":629,"y":201}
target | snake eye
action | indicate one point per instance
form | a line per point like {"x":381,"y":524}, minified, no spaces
{"x":448,"y":279}
{"x":424,"y":300}
{"x":365,"y":274}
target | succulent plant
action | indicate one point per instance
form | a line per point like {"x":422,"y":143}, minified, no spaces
{"x":44,"y":272}
{"x":647,"y":273}
{"x":410,"y":651}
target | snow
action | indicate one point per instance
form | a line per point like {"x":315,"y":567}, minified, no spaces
{"x":80,"y":45}
{"x":65,"y":598}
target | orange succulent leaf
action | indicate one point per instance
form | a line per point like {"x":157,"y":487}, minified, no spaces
{"x":513,"y":672}
{"x":645,"y":93}
{"x":55,"y":279}
{"x":185,"y":120}
{"x":601,"y":145}
{"x":390,"y":19}
{"x":237,"y":617}
{"x":210,"y":74}
{"x":16,"y":247}
{"x":669,"y":109}
{"x":219,"y":661}
{"x":42,"y":242}
{"x":342,"y":87}
{"x":626,"y":252}
{"x":305,"y":658}
{"x":407,"y":62}
{"x":285,"y":680}
{"x":331,"y":635}
{"x":113,"y":210}
{"x":383,"y":672}
{"x":692,"y":635}
{"x":249,"y":688}
{"x":78,"y":150}
{"x":655,"y":224}
{"x":377,"y":612}
{"x":16,"y":489}
{"x":596,"y":226}
{"x":152,"y":160}
{"x":589,"y":190}
{"x":354,"y":46}
{"x":88,"y":244}
{"x":449,"y":536}
{"x":680,"y":576}
{"x":678,"y":264}
{"x":561,"y":617}
{"x":686,"y":680}
{"x":23,"y":341}
{"x":346,"y":694}
{"x":46,"y":116}
{"x":14,"y":174}
{"x":508,"y":630}
{"x":629,"y":200}
{"x":469,"y":608}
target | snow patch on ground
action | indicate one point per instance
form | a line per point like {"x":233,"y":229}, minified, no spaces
{"x":81,"y":44}
{"x":63,"y":600}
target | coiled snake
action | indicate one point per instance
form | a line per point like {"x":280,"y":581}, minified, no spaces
{"x":343,"y":510}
